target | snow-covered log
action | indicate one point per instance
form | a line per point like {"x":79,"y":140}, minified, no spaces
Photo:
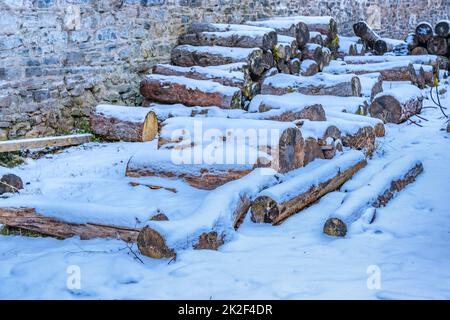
{"x":430,"y":60}
{"x":242,"y":39}
{"x":419,"y":51}
{"x":213,"y":223}
{"x":382,"y":188}
{"x":294,"y":100}
{"x":442,"y":28}
{"x":188,"y":56}
{"x":45,"y":142}
{"x":370,"y":37}
{"x":197,"y":27}
{"x":371,"y":84}
{"x":320,"y":84}
{"x":191,"y":92}
{"x":398,"y":104}
{"x":121,"y":123}
{"x":424,"y":32}
{"x":437,"y":45}
{"x":308,"y":68}
{"x":294,"y":66}
{"x":314,"y":52}
{"x":297,"y":29}
{"x":316,"y":37}
{"x":306,"y":186}
{"x":291,"y":42}
{"x":29,"y":219}
{"x":377,"y":124}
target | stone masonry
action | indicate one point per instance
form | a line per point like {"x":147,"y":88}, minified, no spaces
{"x":59,"y":58}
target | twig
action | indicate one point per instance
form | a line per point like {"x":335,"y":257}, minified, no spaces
{"x":8,"y":185}
{"x":136,"y":257}
{"x":414,"y":122}
{"x":420,"y":117}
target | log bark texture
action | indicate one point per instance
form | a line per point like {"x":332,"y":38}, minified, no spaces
{"x":390,"y":109}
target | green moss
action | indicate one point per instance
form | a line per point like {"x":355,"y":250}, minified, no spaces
{"x":290,"y":90}
{"x":82,"y":126}
{"x":10,"y":231}
{"x":275,"y":53}
{"x":11,"y":159}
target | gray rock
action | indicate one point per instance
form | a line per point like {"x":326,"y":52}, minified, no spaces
{"x":10,"y":183}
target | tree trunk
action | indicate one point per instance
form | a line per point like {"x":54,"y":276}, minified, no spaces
{"x":411,"y":41}
{"x":46,"y":142}
{"x":392,"y":107}
{"x":119,"y":123}
{"x":438,"y":46}
{"x":242,"y":39}
{"x":299,"y":30}
{"x":309,"y":68}
{"x":274,"y":205}
{"x":294,"y":66}
{"x":28,"y":219}
{"x":375,"y":194}
{"x":191,"y":92}
{"x":424,"y":32}
{"x":188,"y":56}
{"x":314,"y":52}
{"x":371,"y":39}
{"x":442,"y":28}
{"x":319,"y":84}
{"x":419,"y":51}
{"x":376,"y":124}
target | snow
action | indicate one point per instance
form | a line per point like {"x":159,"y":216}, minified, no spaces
{"x":203,"y":85}
{"x":278,"y":25}
{"x":368,"y":81}
{"x":239,"y":33}
{"x":32,"y":140}
{"x":408,"y":241}
{"x":308,"y":19}
{"x":419,"y":59}
{"x":294,"y":100}
{"x":336,"y":115}
{"x":208,"y":72}
{"x":239,"y":27}
{"x":304,"y":179}
{"x":355,"y":202}
{"x":282,"y":80}
{"x":124,"y":113}
{"x":286,"y":39}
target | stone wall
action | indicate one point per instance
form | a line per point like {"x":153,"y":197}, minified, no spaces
{"x":58,"y":58}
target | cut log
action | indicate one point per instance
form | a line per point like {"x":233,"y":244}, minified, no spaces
{"x":121,"y":123}
{"x":188,"y":56}
{"x":309,"y":68}
{"x":316,"y":37}
{"x":283,"y":66}
{"x":292,"y":101}
{"x":424,"y":32}
{"x":299,"y":30}
{"x":294,"y":66}
{"x":282,"y":51}
{"x":198,"y":27}
{"x":276,"y":204}
{"x":314,"y":52}
{"x":47,"y":142}
{"x":371,"y":84}
{"x":397,"y":105}
{"x":419,"y":51}
{"x":370,"y":38}
{"x":411,"y":41}
{"x":28,"y":219}
{"x":390,"y":71}
{"x":430,"y":60}
{"x":438,"y":46}
{"x":377,"y":124}
{"x":213,"y":223}
{"x":442,"y":28}
{"x":242,"y":39}
{"x":191,"y":92}
{"x":251,"y":142}
{"x":381,"y":189}
{"x":319,"y":84}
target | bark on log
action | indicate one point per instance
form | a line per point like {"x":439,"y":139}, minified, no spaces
{"x":46,"y":142}
{"x":442,"y":28}
{"x":28,"y":219}
{"x":120,"y":123}
{"x":316,"y":37}
{"x":325,"y":25}
{"x":314,"y":52}
{"x":424,"y":32}
{"x":198,"y":27}
{"x":419,"y":51}
{"x":430,"y":60}
{"x":276,"y":204}
{"x":371,"y":85}
{"x":188,"y":56}
{"x":370,"y":38}
{"x":376,"y":194}
{"x":397,"y":105}
{"x":191,"y":92}
{"x":376,"y":124}
{"x":411,"y":41}
{"x":242,"y":39}
{"x":294,"y":66}
{"x":319,"y":84}
{"x":438,"y":46}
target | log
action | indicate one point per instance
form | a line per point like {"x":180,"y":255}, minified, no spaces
{"x":294,"y":66}
{"x":47,"y":142}
{"x":299,"y":30}
{"x":419,"y":51}
{"x":430,"y":60}
{"x":314,"y":52}
{"x":29,"y":219}
{"x":243,"y":39}
{"x":325,"y":25}
{"x":276,"y":204}
{"x":438,"y":46}
{"x":411,"y":41}
{"x":397,"y":105}
{"x":376,"y":124}
{"x":424,"y":32}
{"x":319,"y":84}
{"x":309,"y":68}
{"x":188,"y":56}
{"x":381,"y":189}
{"x":283,"y":67}
{"x":371,"y":84}
{"x":442,"y":28}
{"x":278,"y":144}
{"x":198,"y":27}
{"x":316,"y":37}
{"x":291,"y":42}
{"x":121,"y":123}
{"x":191,"y":92}
{"x":370,"y":38}
{"x":213,"y":223}
{"x":282,"y":51}
{"x":293,"y":101}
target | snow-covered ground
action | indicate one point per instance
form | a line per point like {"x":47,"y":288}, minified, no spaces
{"x":407,"y":247}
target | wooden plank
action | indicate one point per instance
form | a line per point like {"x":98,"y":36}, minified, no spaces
{"x":46,"y":142}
